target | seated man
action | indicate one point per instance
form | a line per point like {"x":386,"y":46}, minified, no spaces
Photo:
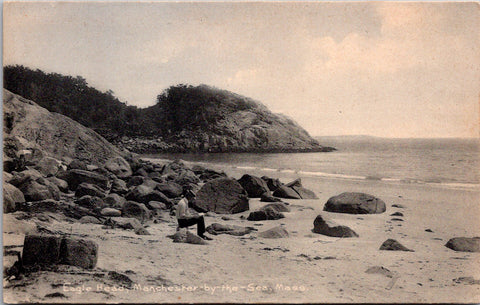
{"x":186,"y":218}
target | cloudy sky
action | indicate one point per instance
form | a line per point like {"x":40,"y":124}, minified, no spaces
{"x":383,"y":69}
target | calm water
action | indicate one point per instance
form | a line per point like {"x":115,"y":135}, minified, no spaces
{"x":443,"y":161}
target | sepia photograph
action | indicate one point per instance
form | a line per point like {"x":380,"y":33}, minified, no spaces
{"x":241,"y":152}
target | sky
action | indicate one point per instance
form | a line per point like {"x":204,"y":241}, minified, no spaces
{"x":371,"y":68}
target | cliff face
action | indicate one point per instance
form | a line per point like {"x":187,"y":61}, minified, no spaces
{"x":205,"y":119}
{"x":53,"y":133}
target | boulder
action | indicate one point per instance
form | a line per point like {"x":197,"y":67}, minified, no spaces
{"x":170,"y":189}
{"x":267,"y":197}
{"x":355,"y":203}
{"x":20,"y":178}
{"x":141,"y":172}
{"x":119,"y":167}
{"x":464,"y":244}
{"x":268,"y":213}
{"x":330,"y":228}
{"x":278,"y":206}
{"x":156,"y":205}
{"x":61,"y":184}
{"x":75,"y":177}
{"x":142,"y":231}
{"x":119,"y":187}
{"x":90,"y":219}
{"x":49,"y":166}
{"x":286,"y":192}
{"x":135,"y":180}
{"x":38,"y":190}
{"x":7,"y":177}
{"x":48,"y":205}
{"x":304,"y":193}
{"x":123,"y":223}
{"x":399,"y":214}
{"x":216,"y":229}
{"x":92,"y":203}
{"x":145,"y":194}
{"x":208,"y":174}
{"x":109,"y":212}
{"x":185,"y":236}
{"x":12,"y":196}
{"x":79,"y":252}
{"x":272,"y":183}
{"x":56,"y":134}
{"x":254,"y":186}
{"x":186,"y":177}
{"x":114,"y":201}
{"x":222,"y":195}
{"x":77,"y":164}
{"x":136,"y":210}
{"x":89,"y":189}
{"x":41,"y":250}
{"x":393,"y":245}
{"x":297,"y":182}
{"x":275,"y":232}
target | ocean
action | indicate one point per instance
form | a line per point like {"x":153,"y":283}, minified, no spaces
{"x":445,"y":162}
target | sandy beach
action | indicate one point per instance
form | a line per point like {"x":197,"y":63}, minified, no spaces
{"x":304,"y":267}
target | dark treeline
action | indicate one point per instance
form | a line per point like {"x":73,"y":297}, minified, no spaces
{"x":178,"y":108}
{"x":73,"y":97}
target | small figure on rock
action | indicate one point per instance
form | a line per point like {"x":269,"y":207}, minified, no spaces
{"x":187,"y":218}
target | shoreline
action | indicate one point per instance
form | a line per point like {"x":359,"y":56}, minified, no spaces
{"x":294,"y":174}
{"x":321,"y":268}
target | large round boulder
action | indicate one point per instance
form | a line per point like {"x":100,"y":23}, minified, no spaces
{"x":355,"y":203}
{"x":254,"y":186}
{"x":222,"y":195}
{"x":330,"y":228}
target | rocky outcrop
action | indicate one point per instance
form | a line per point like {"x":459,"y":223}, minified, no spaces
{"x":222,"y":195}
{"x":464,"y":244}
{"x":206,"y":119}
{"x":57,"y":135}
{"x":330,"y":228}
{"x":355,"y":203}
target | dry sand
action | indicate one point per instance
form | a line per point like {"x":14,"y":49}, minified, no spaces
{"x":304,"y":267}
